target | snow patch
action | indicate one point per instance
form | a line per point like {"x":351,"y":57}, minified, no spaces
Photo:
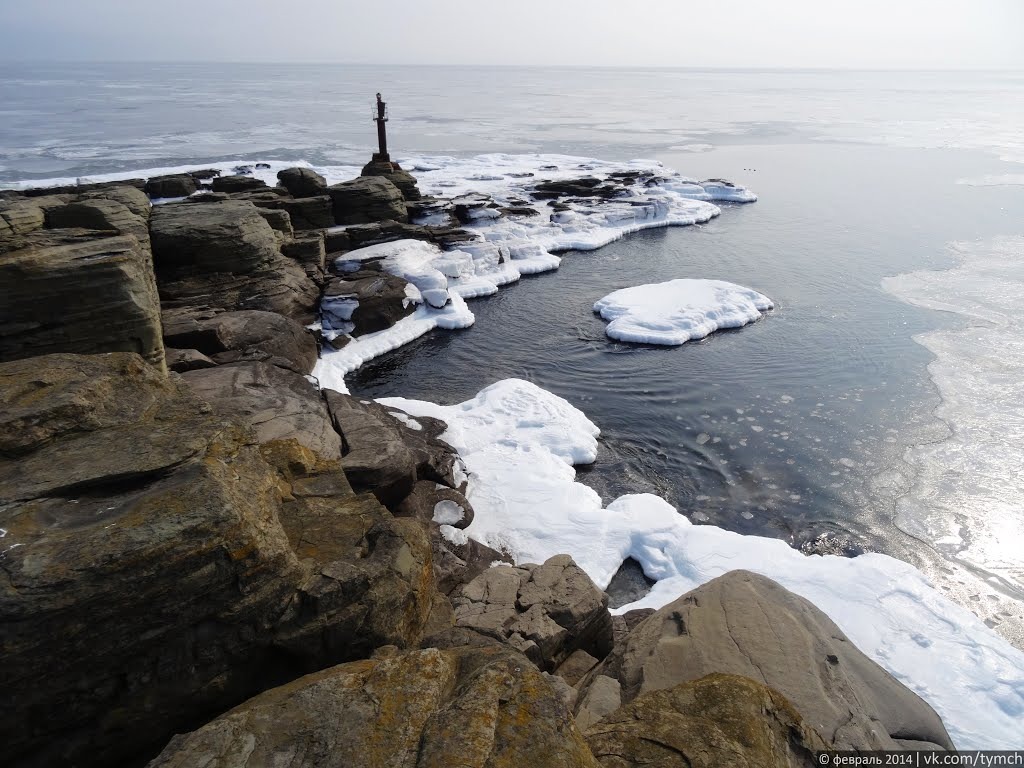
{"x":679,"y":311}
{"x":519,"y":443}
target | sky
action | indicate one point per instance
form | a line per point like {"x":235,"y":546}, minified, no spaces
{"x":871,"y":34}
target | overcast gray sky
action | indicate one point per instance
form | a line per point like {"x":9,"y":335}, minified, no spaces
{"x":942,"y":34}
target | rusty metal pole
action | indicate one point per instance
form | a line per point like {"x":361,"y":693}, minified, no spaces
{"x":382,"y":136}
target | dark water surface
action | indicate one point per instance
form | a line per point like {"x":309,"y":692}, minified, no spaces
{"x":792,"y":427}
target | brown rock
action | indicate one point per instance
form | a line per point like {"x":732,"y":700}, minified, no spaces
{"x":302,"y":182}
{"x":472,"y":707}
{"x":367,"y":199}
{"x":176,"y":185}
{"x":278,"y":404}
{"x":745,"y":624}
{"x":161,"y":566}
{"x":719,"y":720}
{"x":547,"y":611}
{"x":230,"y":337}
{"x":237,"y":184}
{"x":80,"y":292}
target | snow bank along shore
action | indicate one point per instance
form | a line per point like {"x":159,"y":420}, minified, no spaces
{"x":606,"y":202}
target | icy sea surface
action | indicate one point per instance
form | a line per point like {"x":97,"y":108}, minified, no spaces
{"x":852,"y":417}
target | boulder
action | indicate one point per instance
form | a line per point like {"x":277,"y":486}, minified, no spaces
{"x":77,"y":189}
{"x":363,"y":235}
{"x":719,"y":720}
{"x":224,"y":255}
{"x":99,"y":214}
{"x":229,"y":337}
{"x":161,"y":565}
{"x":471,"y":707}
{"x":228,"y":236}
{"x":176,"y":185}
{"x":367,"y":199}
{"x":369,"y":302}
{"x":237,"y":184}
{"x":393,"y":172}
{"x":745,"y":624}
{"x":308,"y":250}
{"x":279,"y":221}
{"x":302,"y":182}
{"x":132,"y":198}
{"x":278,"y":404}
{"x":546,"y":611}
{"x":78,"y":291}
{"x":382,"y":454}
{"x":19,"y":217}
{"x":181,"y":360}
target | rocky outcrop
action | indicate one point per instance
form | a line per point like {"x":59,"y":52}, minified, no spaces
{"x":472,"y":707}
{"x":161,"y":565}
{"x":78,"y":291}
{"x":278,"y":404}
{"x":99,"y":214}
{"x":227,"y":236}
{"x":224,"y":255}
{"x":745,"y":624}
{"x":367,"y":199}
{"x":545,"y":611}
{"x":230,"y":337}
{"x":393,"y":172}
{"x":308,"y":250}
{"x":302,"y":182}
{"x":237,"y":184}
{"x":132,"y":198}
{"x":176,"y":185}
{"x":279,"y":221}
{"x":383,"y":455}
{"x":20,"y":217}
{"x":719,"y":720}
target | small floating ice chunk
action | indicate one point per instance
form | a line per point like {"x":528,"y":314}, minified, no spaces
{"x":679,"y":311}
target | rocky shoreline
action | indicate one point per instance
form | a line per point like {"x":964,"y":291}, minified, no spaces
{"x":210,"y":561}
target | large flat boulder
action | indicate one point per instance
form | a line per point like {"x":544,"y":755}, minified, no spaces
{"x":224,"y":255}
{"x":79,"y":292}
{"x":367,"y":199}
{"x":745,"y":624}
{"x":470,"y":707}
{"x":239,"y":183}
{"x":719,"y":720}
{"x":244,"y":336}
{"x":102,"y":214}
{"x":228,"y":236}
{"x":546,"y":611}
{"x":163,"y":565}
{"x":278,"y":404}
{"x":132,"y":198}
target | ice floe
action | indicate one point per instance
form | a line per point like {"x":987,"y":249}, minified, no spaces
{"x":679,"y":311}
{"x":519,"y":443}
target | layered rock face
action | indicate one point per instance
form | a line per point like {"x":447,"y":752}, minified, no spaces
{"x":472,"y":707}
{"x":368,"y":199}
{"x":745,"y":624}
{"x":78,"y":291}
{"x":163,"y":564}
{"x":224,"y":255}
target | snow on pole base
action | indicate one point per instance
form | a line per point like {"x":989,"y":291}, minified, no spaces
{"x":679,"y":311}
{"x":519,"y":443}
